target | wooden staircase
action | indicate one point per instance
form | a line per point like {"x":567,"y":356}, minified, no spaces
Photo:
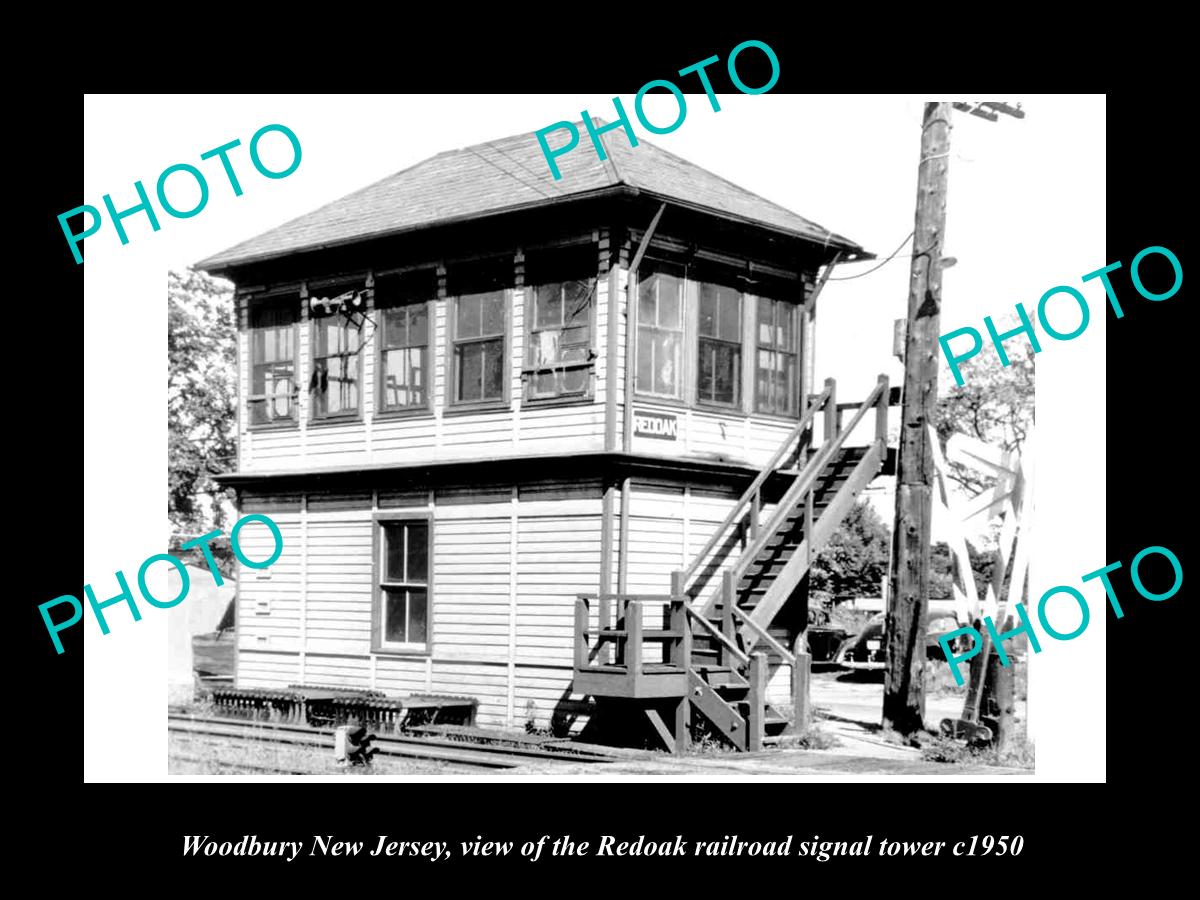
{"x":726,"y":624}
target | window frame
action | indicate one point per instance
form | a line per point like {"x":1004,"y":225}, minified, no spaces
{"x":738,"y":405}
{"x":685,"y":397}
{"x":338,"y":418}
{"x":452,"y":342}
{"x":259,"y":301}
{"x":529,"y":371}
{"x":378,"y":573}
{"x":429,"y":361}
{"x":796,"y":352}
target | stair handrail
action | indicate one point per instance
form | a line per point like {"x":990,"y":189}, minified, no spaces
{"x":747,"y":498}
{"x":804,"y":482}
{"x":740,"y":655}
{"x":786,"y":655}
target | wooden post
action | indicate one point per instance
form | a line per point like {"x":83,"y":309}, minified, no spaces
{"x":904,"y":684}
{"x":801,"y":674}
{"x":633,"y":644}
{"x":727,"y":627}
{"x":881,"y":413}
{"x":755,"y":512}
{"x":999,"y":686}
{"x":581,"y":628}
{"x":758,"y":701}
{"x":831,"y":414}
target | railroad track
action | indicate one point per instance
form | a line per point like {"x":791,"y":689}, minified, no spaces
{"x":472,"y":754}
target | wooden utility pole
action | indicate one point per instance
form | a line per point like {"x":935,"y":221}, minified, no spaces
{"x":908,"y":599}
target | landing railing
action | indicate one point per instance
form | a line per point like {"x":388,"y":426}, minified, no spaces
{"x":632,"y":672}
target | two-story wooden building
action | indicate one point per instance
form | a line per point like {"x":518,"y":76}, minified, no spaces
{"x":469,"y":393}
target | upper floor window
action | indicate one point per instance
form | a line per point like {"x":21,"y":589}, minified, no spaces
{"x":719,"y":369}
{"x":479,"y":327}
{"x":562,"y":289}
{"x":336,"y":377}
{"x":660,"y":334}
{"x":272,"y":396}
{"x":777,"y":388}
{"x":403,"y":303}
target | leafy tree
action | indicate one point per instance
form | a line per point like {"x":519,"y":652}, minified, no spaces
{"x":994,"y":404}
{"x":855,"y":560}
{"x":201,"y":399}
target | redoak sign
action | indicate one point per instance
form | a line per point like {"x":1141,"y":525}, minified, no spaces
{"x":662,"y":426}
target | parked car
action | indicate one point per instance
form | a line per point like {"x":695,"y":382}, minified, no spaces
{"x":866,"y":650}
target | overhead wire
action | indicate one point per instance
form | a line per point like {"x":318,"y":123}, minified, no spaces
{"x":882,"y":264}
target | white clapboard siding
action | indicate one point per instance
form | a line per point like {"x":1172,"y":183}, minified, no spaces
{"x":340,"y":577}
{"x":562,"y":429}
{"x":471,"y":581}
{"x":400,"y":675}
{"x":268,"y":614}
{"x":337,"y":670}
{"x":267,"y":670}
{"x":543,"y":694}
{"x":547,"y":587}
{"x":486,"y":683}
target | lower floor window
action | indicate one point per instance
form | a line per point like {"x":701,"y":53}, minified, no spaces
{"x":403,"y":567}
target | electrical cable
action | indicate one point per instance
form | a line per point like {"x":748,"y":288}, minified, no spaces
{"x":882,"y":264}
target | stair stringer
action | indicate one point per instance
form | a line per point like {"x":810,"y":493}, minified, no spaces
{"x":716,"y":709}
{"x":786,"y":580}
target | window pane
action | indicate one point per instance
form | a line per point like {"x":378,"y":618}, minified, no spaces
{"x":575,"y":381}
{"x":337,"y":390}
{"x":766,"y":316}
{"x":468,"y":317}
{"x":647,"y":292}
{"x":645,"y":359}
{"x":418,"y":553}
{"x":395,"y":327}
{"x":708,"y":310}
{"x":669,"y":297}
{"x":578,"y":302}
{"x":666,"y":363}
{"x":394,"y":630}
{"x":720,"y":372}
{"x":404,"y":381}
{"x":493,"y":313}
{"x":393,"y":551}
{"x":469,"y":371}
{"x":548,"y":304}
{"x":731,"y":316}
{"x":543,"y":347}
{"x":418,"y":324}
{"x":493,"y":369}
{"x":784,"y":314}
{"x":418,"y":616}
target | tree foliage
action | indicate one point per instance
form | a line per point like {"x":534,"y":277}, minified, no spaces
{"x":201,"y":399}
{"x":994,"y":404}
{"x":855,"y":560}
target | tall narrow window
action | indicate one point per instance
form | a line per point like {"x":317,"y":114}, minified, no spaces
{"x":334,"y":384}
{"x":720,"y":351}
{"x":660,"y":334}
{"x":272,"y":395}
{"x":403,"y":313}
{"x":403,"y":573}
{"x":777,"y":369}
{"x":478,"y":321}
{"x":562,"y":291}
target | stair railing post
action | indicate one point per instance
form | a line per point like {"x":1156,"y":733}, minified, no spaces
{"x":755,"y":512}
{"x":727,"y":628}
{"x":633,"y":644}
{"x":881,"y":413}
{"x":581,"y":632}
{"x":758,"y":702}
{"x":801,"y":674}
{"x":831,"y":411}
{"x":808,"y":527}
{"x":677,"y":621}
